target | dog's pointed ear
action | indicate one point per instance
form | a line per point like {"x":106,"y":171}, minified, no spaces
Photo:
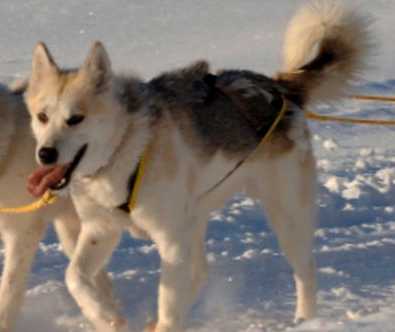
{"x":43,"y":65}
{"x":97,"y":67}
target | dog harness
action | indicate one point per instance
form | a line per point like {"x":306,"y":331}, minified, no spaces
{"x":136,"y":178}
{"x":134,"y":184}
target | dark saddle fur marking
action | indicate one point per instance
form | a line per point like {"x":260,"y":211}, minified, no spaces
{"x":229,"y":111}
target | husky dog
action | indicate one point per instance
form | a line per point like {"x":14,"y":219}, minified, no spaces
{"x":191,"y":129}
{"x":21,"y":233}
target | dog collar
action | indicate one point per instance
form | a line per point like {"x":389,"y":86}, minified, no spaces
{"x":134,"y":184}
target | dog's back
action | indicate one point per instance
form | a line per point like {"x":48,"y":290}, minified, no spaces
{"x":325,"y":49}
{"x":16,"y":148}
{"x":213,"y":108}
{"x":7,"y":122}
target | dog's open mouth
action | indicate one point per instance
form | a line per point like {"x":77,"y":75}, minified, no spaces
{"x":54,"y":177}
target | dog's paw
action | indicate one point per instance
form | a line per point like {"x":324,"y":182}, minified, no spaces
{"x":151,"y":327}
{"x":298,"y":321}
{"x":119,"y":324}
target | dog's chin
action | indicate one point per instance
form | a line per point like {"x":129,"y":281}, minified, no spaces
{"x":64,"y":192}
{"x":70,"y":169}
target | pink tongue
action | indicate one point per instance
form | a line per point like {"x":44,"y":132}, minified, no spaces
{"x":45,"y":177}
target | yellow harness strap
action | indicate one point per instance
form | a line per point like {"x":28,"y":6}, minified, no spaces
{"x":139,"y":179}
{"x":264,"y":140}
{"x":274,"y":125}
{"x":47,"y":199}
{"x":384,"y":99}
{"x":374,"y":122}
{"x":331,"y":118}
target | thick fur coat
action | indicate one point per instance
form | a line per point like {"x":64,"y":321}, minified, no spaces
{"x":192,"y":127}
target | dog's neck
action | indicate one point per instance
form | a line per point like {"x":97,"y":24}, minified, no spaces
{"x":109,"y":185}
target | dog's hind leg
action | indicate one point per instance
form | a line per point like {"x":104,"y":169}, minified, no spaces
{"x":288,"y":196}
{"x":20,"y":248}
{"x":181,"y":244}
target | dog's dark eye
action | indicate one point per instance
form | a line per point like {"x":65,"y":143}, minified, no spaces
{"x":42,"y":117}
{"x":74,"y":120}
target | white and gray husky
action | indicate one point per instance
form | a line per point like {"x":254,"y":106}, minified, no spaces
{"x":189,"y":129}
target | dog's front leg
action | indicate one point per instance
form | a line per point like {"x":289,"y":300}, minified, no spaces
{"x":68,"y":226}
{"x":95,"y":245}
{"x":20,"y":248}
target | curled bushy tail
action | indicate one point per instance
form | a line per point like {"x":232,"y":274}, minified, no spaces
{"x":326,"y":48}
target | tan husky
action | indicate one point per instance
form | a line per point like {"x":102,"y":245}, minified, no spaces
{"x":21,"y":233}
{"x":189,"y":128}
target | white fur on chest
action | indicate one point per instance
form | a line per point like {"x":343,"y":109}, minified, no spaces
{"x":105,"y":192}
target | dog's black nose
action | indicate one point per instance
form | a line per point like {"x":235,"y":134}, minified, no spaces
{"x":48,"y":155}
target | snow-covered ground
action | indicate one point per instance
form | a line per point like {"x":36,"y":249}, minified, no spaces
{"x":250,"y":287}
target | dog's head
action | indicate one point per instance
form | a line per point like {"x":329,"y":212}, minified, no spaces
{"x":75,"y":116}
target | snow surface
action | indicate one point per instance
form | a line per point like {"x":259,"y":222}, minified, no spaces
{"x":250,"y":286}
